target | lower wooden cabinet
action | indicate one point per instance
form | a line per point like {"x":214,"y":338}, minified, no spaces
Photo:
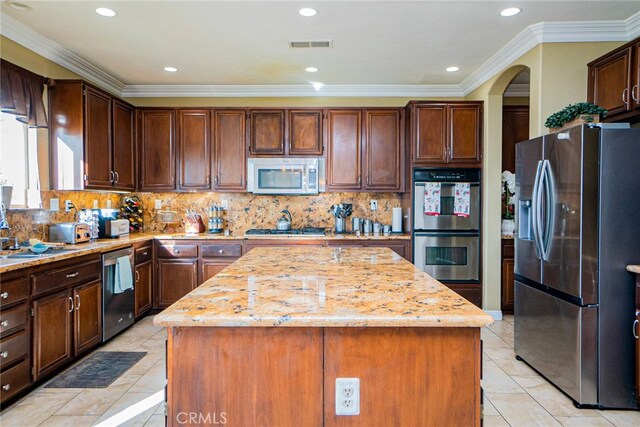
{"x":401,"y":247}
{"x":507,"y":279}
{"x":469,"y":291}
{"x":87,"y":316}
{"x":176,"y":278}
{"x":52,"y":320}
{"x":143,"y":282}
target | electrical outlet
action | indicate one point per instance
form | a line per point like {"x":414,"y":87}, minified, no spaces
{"x":224,"y":204}
{"x":347,"y":396}
{"x":67,"y":205}
{"x":54,"y":205}
{"x":374,"y":205}
{"x":158,"y":204}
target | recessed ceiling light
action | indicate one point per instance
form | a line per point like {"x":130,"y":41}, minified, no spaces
{"x":311,"y":69}
{"x":511,"y":11}
{"x":317,"y":85}
{"x":170,"y":69}
{"x":307,"y":11}
{"x":19,"y":6}
{"x":105,"y":11}
{"x":452,"y":69}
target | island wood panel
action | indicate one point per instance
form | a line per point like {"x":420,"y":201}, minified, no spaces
{"x":249,"y":376}
{"x":408,"y":376}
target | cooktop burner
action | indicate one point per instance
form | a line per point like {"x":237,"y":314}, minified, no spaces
{"x":307,"y":231}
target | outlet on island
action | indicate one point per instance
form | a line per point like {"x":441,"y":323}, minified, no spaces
{"x":347,"y":396}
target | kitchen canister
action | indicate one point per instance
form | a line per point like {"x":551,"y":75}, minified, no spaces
{"x":396,"y":220}
{"x":368,"y":226}
{"x":377,"y":227}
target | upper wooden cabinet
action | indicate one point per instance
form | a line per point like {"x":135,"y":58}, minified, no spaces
{"x":383,"y":148}
{"x":344,"y":139}
{"x":229,"y":150}
{"x":267,"y":132}
{"x":445,"y":133}
{"x":91,"y":139}
{"x":157,"y":151}
{"x":305,"y":132}
{"x":194,"y":150}
{"x":614,"y":82}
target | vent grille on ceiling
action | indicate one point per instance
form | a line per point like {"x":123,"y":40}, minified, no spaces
{"x":311,"y":43}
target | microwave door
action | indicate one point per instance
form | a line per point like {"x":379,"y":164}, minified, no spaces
{"x":288,"y":179}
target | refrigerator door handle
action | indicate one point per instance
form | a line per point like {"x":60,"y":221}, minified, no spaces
{"x":549,"y":209}
{"x":535,"y":210}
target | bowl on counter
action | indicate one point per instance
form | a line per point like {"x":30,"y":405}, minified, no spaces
{"x":38,"y":248}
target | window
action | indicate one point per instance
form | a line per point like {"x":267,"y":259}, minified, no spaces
{"x":19,"y":162}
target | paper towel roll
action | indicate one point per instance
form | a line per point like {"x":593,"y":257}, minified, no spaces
{"x":396,"y":220}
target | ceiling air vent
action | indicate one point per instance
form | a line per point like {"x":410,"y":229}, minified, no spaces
{"x":311,"y":43}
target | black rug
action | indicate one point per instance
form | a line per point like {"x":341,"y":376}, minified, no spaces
{"x":98,"y":370}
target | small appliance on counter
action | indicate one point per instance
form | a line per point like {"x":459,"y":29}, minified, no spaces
{"x":89,"y":217}
{"x":109,"y":226}
{"x":69,"y":232}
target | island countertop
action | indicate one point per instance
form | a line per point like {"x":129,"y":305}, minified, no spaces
{"x":322,"y":287}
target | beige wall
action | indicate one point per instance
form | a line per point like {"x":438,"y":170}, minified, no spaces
{"x":558,"y":78}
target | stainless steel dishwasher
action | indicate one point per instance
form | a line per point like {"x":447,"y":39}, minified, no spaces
{"x":117,"y":303}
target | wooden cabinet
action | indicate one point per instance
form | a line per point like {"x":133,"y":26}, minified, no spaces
{"x":258,"y":243}
{"x":52,"y":332}
{"x":177,"y":271}
{"x":305,"y":132}
{"x":515,"y":128}
{"x":143,"y":278}
{"x":401,"y":247}
{"x":215,"y":257}
{"x":15,"y":334}
{"x":344,"y":139}
{"x":614,"y":82}
{"x":445,"y":133}
{"x":157,"y":151}
{"x":636,"y":333}
{"x":383,"y":150}
{"x":229,"y":150}
{"x":507,"y":278}
{"x":267,"y":132}
{"x":194,"y":150}
{"x":91,"y":138}
{"x":87,"y":316}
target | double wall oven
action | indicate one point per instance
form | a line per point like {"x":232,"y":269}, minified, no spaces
{"x":447,"y":246}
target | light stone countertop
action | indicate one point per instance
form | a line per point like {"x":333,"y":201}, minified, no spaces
{"x":322,"y":287}
{"x":634,"y":268}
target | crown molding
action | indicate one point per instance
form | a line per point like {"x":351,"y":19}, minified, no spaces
{"x":21,"y":34}
{"x":543,"y":32}
{"x":247,"y":91}
{"x":517,"y":90}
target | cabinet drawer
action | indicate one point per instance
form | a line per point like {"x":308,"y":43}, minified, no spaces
{"x":14,"y":348}
{"x":508,"y":249}
{"x":13,"y":291}
{"x":63,"y":277}
{"x":14,"y":380}
{"x":14,"y":318}
{"x":142,"y":254}
{"x":177,"y":251}
{"x":228,"y":250}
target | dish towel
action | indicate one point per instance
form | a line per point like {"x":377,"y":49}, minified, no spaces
{"x":123,"y":275}
{"x":462,"y":199}
{"x":432,"y":198}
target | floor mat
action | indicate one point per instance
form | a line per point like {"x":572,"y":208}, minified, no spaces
{"x":98,"y":370}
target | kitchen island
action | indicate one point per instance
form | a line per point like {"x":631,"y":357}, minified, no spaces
{"x":263,"y":342}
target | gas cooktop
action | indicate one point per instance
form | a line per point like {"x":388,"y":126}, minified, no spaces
{"x":307,"y":231}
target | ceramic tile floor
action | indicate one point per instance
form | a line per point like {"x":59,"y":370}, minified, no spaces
{"x":514,"y":394}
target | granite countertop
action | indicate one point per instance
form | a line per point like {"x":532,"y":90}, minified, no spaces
{"x":634,"y":268}
{"x":322,"y":287}
{"x":327,"y":236}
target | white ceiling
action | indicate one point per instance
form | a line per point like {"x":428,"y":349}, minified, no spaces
{"x":246,"y":43}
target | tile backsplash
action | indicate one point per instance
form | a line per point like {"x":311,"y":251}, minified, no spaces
{"x":245,"y":210}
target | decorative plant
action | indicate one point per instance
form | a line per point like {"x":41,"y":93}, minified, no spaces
{"x":572,"y":111}
{"x":508,"y":190}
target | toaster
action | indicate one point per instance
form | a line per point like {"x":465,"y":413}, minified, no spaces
{"x":69,"y":232}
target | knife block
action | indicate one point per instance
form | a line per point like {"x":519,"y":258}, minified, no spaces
{"x":194,"y":227}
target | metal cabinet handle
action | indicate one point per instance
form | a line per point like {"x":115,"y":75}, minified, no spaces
{"x":145,"y":253}
{"x":220,"y":251}
{"x":72,"y":275}
{"x":177,"y":251}
{"x":78,"y":301}
{"x":4,"y":323}
{"x":624,"y":95}
{"x":6,"y":387}
{"x":359,"y":180}
{"x":635,"y":329}
{"x":4,"y":354}
{"x":4,"y":295}
{"x":71,"y":301}
{"x":137,"y":276}
{"x":111,"y":177}
{"x":633,"y":93}
{"x":117,"y":177}
{"x":216,"y":180}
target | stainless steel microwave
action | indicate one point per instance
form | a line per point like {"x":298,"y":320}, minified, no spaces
{"x":286,"y":175}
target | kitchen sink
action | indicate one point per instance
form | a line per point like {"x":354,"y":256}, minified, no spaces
{"x":30,"y":255}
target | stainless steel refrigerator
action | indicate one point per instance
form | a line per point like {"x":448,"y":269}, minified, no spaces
{"x":578,"y":226}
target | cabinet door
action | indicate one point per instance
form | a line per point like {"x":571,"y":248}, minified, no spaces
{"x":87,"y":322}
{"x":399,"y":247}
{"x":124,"y":151}
{"x":194,"y":150}
{"x":143,"y":289}
{"x":97,"y":140}
{"x":157,"y":150}
{"x":210,"y":268}
{"x":344,"y":137}
{"x":51,"y":332}
{"x":507,"y":279}
{"x":515,"y":128}
{"x":267,"y":132}
{"x":230,"y":155}
{"x":429,"y":133}
{"x":383,"y":151}
{"x":176,"y":278}
{"x":305,"y":132}
{"x":610,"y":82}
{"x":464,"y":126}
{"x":635,"y":82}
